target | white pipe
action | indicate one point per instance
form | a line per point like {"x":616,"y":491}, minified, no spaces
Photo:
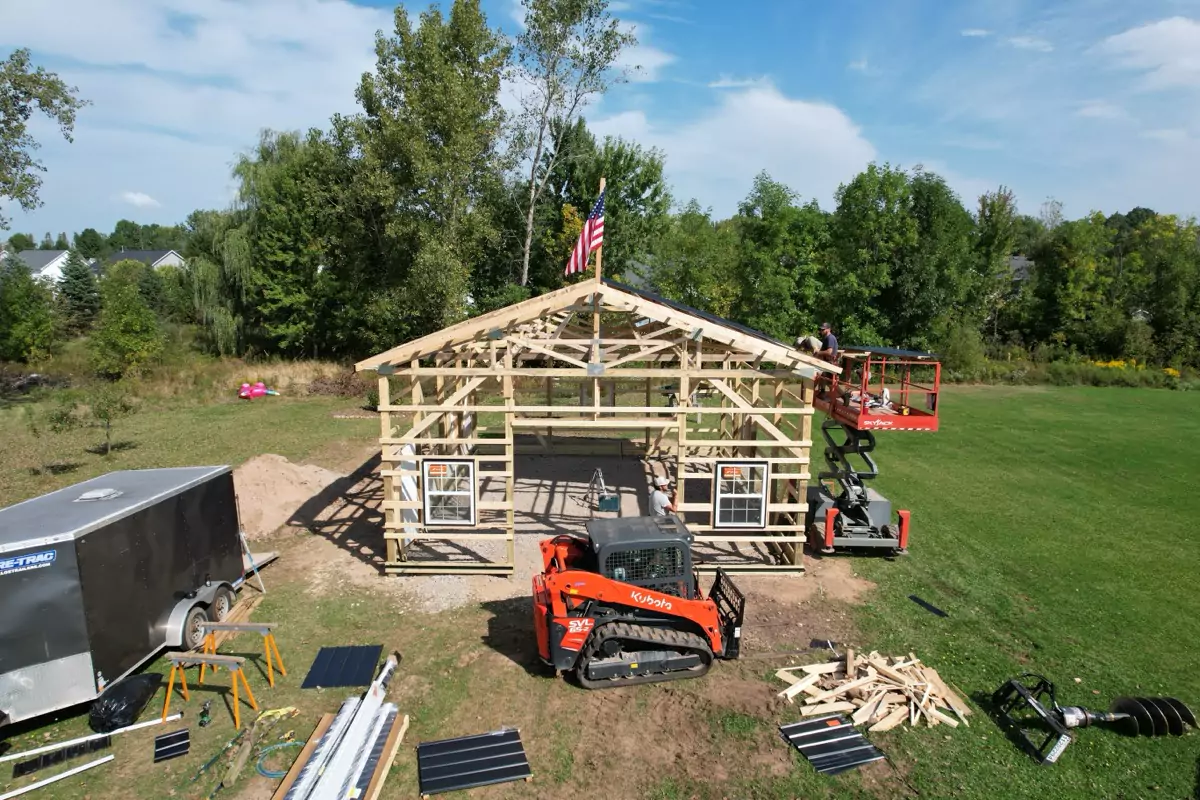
{"x":50,"y":747}
{"x":56,"y":778}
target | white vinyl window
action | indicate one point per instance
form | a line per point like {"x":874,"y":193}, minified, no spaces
{"x":449,"y":492}
{"x":741,"y":496}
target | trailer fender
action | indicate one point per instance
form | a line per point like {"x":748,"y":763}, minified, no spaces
{"x":204,"y":597}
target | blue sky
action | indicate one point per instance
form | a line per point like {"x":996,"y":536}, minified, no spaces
{"x":1093,"y":102}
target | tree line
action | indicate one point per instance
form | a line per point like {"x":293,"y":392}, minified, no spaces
{"x":91,"y":243}
{"x":432,"y":204}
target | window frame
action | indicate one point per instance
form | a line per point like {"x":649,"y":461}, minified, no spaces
{"x":427,"y":495}
{"x":763,"y":495}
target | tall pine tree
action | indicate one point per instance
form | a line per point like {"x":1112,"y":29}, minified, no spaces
{"x":80,"y":293}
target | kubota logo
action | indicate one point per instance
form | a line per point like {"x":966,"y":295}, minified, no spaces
{"x":646,"y":599}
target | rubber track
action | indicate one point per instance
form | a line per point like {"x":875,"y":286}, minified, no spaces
{"x":647,"y":637}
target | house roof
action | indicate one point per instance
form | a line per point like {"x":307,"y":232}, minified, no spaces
{"x":37,"y":260}
{"x":145,"y":256}
{"x":613,"y":295}
{"x":1020,"y":267}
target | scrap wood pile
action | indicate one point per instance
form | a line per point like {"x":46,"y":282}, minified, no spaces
{"x":881,"y":692}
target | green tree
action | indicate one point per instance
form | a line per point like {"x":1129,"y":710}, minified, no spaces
{"x":99,"y":407}
{"x":695,"y":261}
{"x":28,"y":330}
{"x":79,"y":293}
{"x":430,"y":133}
{"x":218,"y":270}
{"x":565,"y":56}
{"x":1028,"y":233}
{"x":90,"y":243}
{"x":1166,"y":261}
{"x":1070,"y":283}
{"x":873,"y":232}
{"x":61,"y":243}
{"x":20,"y":242}
{"x":995,"y":237}
{"x":127,"y":338}
{"x":22,"y":87}
{"x":782,"y":245}
{"x":47,"y":242}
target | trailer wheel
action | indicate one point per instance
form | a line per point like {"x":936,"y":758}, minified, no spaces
{"x":193,"y":634}
{"x":222,"y":604}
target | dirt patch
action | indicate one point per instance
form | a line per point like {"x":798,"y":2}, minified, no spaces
{"x":272,"y":489}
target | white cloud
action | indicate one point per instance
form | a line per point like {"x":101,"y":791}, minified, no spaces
{"x":140,"y":200}
{"x":1168,"y":52}
{"x":727,"y":82}
{"x":196,"y":78}
{"x":810,"y":146}
{"x":975,"y":32}
{"x":1030,"y":43}
{"x":1101,"y":109}
{"x":859,"y":65}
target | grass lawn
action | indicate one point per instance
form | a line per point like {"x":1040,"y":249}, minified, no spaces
{"x":1055,"y":526}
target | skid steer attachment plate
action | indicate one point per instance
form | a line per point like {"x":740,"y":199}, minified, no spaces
{"x":731,"y":609}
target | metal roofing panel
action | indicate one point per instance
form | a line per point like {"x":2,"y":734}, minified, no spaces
{"x":831,"y":744}
{"x":343,"y":666}
{"x":452,"y":764}
{"x":60,"y":516}
{"x":686,"y":309}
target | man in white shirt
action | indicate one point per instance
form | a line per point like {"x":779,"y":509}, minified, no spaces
{"x":660,"y":502}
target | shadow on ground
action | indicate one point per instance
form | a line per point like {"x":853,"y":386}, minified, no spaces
{"x":347,"y":513}
{"x":510,"y":633}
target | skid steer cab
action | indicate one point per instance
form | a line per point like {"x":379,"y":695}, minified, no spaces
{"x":622,"y":606}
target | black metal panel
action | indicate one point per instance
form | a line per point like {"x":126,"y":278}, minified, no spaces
{"x":134,"y":570}
{"x":42,"y":605}
{"x":23,"y":768}
{"x":343,"y":666}
{"x":172,"y":745}
{"x":375,"y":754}
{"x":452,"y":764}
{"x":831,"y":744}
{"x":695,"y":312}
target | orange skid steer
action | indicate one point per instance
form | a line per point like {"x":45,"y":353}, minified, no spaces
{"x":621,"y":606}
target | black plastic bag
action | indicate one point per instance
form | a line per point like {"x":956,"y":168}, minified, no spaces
{"x":122,"y":703}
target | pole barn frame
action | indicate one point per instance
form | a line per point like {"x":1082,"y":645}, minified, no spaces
{"x":633,"y":338}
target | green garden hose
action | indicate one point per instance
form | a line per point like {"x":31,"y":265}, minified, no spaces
{"x":268,"y":773}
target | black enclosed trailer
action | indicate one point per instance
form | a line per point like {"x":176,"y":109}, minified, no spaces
{"x":97,"y":578}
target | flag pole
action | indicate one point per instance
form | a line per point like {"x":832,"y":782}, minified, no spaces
{"x":600,"y":249}
{"x":596,"y":321}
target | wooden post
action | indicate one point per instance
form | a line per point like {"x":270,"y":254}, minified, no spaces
{"x":510,"y":463}
{"x":549,"y":402}
{"x":391,"y":517}
{"x":648,"y":404}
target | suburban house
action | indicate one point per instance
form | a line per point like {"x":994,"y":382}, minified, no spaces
{"x":46,"y":264}
{"x":151,"y":258}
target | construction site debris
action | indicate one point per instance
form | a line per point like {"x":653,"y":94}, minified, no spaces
{"x":91,"y":745}
{"x":830,"y":744}
{"x":122,"y":702}
{"x":92,"y":737}
{"x":55,"y":778}
{"x":271,"y":490}
{"x":881,"y":692}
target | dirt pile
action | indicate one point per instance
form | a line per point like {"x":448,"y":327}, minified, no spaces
{"x":272,"y":490}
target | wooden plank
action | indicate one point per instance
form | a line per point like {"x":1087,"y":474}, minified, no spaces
{"x":890,"y":721}
{"x":322,"y":726}
{"x":799,"y":686}
{"x":826,"y":708}
{"x":823,"y":669}
{"x":841,"y":690}
{"x":870,"y":708}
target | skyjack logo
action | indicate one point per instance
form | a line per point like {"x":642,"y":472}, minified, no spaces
{"x":656,"y":602}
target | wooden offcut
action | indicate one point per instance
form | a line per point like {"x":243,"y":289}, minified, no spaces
{"x":882,"y":692}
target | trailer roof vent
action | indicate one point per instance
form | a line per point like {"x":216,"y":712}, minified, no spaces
{"x":98,"y":494}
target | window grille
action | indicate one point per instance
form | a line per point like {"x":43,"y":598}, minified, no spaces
{"x":449,"y":492}
{"x":741,"y":497}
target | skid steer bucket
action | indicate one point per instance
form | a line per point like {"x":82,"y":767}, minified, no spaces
{"x":731,"y":608}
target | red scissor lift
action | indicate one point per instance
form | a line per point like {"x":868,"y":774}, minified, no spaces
{"x":880,"y":389}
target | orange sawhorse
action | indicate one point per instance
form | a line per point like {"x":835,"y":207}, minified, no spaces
{"x":265,"y":629}
{"x":180,"y":661}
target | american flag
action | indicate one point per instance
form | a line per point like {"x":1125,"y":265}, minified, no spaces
{"x":590,"y":238}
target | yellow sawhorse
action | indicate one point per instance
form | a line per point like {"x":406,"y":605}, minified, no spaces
{"x":265,"y":629}
{"x":180,"y":661}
